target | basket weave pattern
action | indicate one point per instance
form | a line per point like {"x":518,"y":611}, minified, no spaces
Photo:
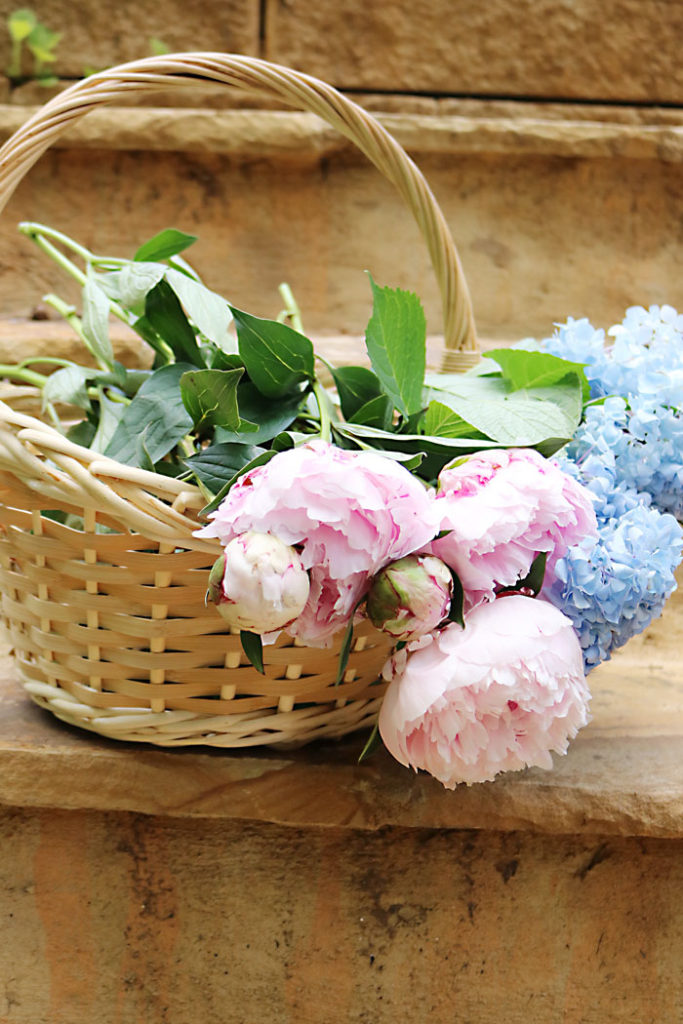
{"x":107,"y":617}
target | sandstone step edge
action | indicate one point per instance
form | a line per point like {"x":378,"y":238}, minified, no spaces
{"x":297,"y":136}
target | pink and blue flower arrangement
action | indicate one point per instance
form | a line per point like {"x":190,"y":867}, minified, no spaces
{"x":508,"y":528}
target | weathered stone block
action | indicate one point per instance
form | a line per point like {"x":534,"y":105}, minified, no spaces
{"x":618,"y":50}
{"x":97,"y":35}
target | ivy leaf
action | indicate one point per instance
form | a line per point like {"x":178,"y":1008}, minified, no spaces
{"x":218,"y":464}
{"x":95,"y":322}
{"x":523,"y":369}
{"x":164,"y":314}
{"x":396,"y":340}
{"x":210,"y":397}
{"x":208,"y":311}
{"x":165,"y":244}
{"x":157,"y":411}
{"x":277,"y":357}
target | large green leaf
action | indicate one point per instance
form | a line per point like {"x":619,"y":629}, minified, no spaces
{"x":210,"y":397}
{"x":208,"y":311}
{"x":158,"y":412}
{"x":442,"y":421}
{"x":165,"y":244}
{"x":277,"y":357}
{"x":166,"y":317}
{"x":524,"y":417}
{"x":378,"y":412}
{"x":395,"y":340}
{"x":523,"y":369}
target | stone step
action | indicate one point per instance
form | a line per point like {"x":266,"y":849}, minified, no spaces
{"x":554,"y":213}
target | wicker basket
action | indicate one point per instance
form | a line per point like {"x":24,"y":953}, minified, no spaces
{"x":109,"y":627}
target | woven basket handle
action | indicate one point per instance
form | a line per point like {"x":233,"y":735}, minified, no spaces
{"x":22,"y":150}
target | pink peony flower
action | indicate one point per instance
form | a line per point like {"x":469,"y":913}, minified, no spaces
{"x":410,"y":597}
{"x":503,"y":508}
{"x":496,"y":696}
{"x":348,"y":512}
{"x":259,"y":583}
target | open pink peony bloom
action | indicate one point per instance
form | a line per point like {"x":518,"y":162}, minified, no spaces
{"x":503,"y":508}
{"x":348,"y":513}
{"x":260,"y":584}
{"x":496,"y":696}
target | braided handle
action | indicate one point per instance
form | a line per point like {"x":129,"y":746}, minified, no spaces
{"x":24,"y":148}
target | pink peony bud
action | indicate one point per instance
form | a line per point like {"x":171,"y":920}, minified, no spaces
{"x":259,"y":583}
{"x":410,"y":597}
{"x":496,"y":696}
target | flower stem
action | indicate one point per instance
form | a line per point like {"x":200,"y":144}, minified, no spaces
{"x":291,"y":311}
{"x":15,"y":371}
{"x":323,"y":400}
{"x":39,"y":234}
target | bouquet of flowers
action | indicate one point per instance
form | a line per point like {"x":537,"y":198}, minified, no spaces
{"x":507,"y":527}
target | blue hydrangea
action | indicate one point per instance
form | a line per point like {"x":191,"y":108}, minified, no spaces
{"x":612,"y":588}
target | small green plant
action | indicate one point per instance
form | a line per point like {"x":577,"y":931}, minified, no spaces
{"x":25,"y":30}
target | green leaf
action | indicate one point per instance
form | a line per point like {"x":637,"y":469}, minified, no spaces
{"x":345,"y":651}
{"x":253,"y":648}
{"x":210,"y":397}
{"x":456,"y":609}
{"x":157,"y":409}
{"x":260,"y":460}
{"x":378,"y":412}
{"x":442,"y":421}
{"x":82,"y":433}
{"x":522,"y":369}
{"x":396,"y":340}
{"x":218,"y":464}
{"x":277,"y":357}
{"x":20,"y":24}
{"x":95,"y":322}
{"x":534,"y":579}
{"x":135,"y":281}
{"x":42,"y":42}
{"x":165,"y":315}
{"x":165,"y":244}
{"x":68,"y":385}
{"x":356,"y":385}
{"x":373,"y":743}
{"x":110,"y":413}
{"x":516,"y":418}
{"x":271,"y":417}
{"x":142,"y":457}
{"x":209,"y":312}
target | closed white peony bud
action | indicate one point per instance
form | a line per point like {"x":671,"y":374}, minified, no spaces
{"x":259,"y":583}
